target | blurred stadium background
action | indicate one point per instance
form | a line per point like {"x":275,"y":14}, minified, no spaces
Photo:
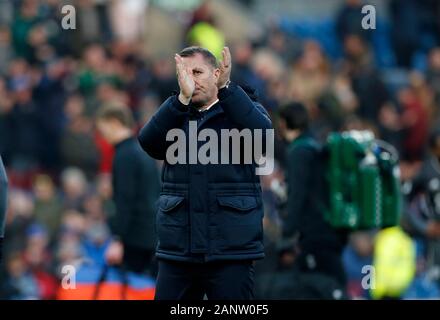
{"x":52,"y":81}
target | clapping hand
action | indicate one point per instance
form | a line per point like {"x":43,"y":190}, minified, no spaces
{"x":225,"y":68}
{"x":185,"y":79}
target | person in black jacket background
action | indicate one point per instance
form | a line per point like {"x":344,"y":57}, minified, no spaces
{"x":209,"y":219}
{"x":421,"y":217}
{"x":135,"y":181}
{"x":3,"y":202}
{"x":314,"y":247}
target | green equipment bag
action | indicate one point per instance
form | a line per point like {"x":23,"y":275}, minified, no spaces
{"x":363,"y":182}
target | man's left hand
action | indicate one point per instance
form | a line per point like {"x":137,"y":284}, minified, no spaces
{"x":225,"y":68}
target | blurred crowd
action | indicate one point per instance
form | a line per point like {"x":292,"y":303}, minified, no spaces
{"x":52,"y":81}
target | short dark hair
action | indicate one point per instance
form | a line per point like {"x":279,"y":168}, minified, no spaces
{"x":207,"y":55}
{"x":117,"y":112}
{"x":296,"y":116}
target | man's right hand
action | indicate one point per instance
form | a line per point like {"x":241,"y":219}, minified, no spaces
{"x":433,"y":229}
{"x":185,"y":79}
{"x":114,"y":253}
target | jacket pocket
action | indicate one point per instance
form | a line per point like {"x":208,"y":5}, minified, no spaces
{"x":172,"y":224}
{"x":238,"y":219}
{"x":239,"y":203}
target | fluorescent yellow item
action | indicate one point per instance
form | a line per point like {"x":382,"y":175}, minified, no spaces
{"x":207,"y":36}
{"x":394,"y":263}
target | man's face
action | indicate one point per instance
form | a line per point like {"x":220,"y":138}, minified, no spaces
{"x":205,"y":77}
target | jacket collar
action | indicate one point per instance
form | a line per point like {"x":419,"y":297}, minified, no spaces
{"x":204,"y":116}
{"x":303,"y":137}
{"x":210,"y":106}
{"x":124,"y":142}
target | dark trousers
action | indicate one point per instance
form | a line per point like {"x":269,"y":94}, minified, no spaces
{"x":138,"y":260}
{"x":219,"y":280}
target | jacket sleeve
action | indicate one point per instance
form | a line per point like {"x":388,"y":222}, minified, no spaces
{"x":152,"y":137}
{"x":125,"y":198}
{"x":3,"y":202}
{"x":299,"y":176}
{"x":241,"y":110}
{"x":3,"y":198}
{"x":413,"y":218}
{"x":414,"y":223}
